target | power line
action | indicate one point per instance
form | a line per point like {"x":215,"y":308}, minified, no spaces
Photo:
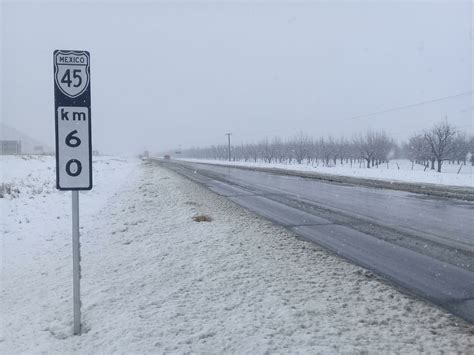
{"x":409,"y":106}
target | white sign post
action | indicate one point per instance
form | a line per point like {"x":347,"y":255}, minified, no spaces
{"x":72,"y":99}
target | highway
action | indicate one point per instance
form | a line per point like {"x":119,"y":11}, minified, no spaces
{"x":423,"y":245}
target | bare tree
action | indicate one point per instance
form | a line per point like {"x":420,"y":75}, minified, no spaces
{"x":278,"y":149}
{"x":417,"y":149}
{"x":385,"y":147}
{"x":461,"y":147}
{"x":441,"y":141}
{"x":470,"y":154}
{"x":301,"y":147}
{"x":366,"y":144}
{"x":343,"y":150}
{"x":267,"y":150}
{"x":325,"y":150}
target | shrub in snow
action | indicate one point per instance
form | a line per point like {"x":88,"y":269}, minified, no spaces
{"x":8,"y":190}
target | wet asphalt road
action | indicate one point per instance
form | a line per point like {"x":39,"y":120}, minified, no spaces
{"x":424,"y":245}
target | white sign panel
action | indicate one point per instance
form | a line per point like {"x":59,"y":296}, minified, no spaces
{"x":73,"y":147}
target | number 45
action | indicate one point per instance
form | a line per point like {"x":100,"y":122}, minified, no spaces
{"x":66,"y":79}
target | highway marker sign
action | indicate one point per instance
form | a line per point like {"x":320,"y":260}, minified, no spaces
{"x":72,"y":99}
{"x":72,"y":111}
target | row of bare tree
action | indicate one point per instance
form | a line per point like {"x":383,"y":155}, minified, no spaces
{"x":443,"y":142}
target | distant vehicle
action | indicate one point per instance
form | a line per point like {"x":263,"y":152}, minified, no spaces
{"x":167,"y":157}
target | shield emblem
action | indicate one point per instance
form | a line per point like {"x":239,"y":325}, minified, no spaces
{"x":71,"y":72}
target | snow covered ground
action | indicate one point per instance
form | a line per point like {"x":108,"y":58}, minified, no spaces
{"x":156,"y":281}
{"x":396,"y":171}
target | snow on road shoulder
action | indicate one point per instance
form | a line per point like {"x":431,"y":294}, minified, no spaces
{"x":35,"y":227}
{"x":154,"y":280}
{"x":396,"y":171}
{"x":34,"y":211}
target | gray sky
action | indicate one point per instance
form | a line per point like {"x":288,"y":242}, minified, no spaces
{"x":165,"y":74}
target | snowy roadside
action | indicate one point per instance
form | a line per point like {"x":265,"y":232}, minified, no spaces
{"x":156,"y":281}
{"x":397,"y":171}
{"x":35,"y":225}
{"x":34,"y":212}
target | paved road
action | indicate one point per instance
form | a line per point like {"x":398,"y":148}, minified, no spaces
{"x":423,"y":244}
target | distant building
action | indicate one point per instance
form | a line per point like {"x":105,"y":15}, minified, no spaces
{"x":14,"y":141}
{"x":9,"y":147}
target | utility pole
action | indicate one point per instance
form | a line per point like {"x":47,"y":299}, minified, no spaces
{"x":228,"y":139}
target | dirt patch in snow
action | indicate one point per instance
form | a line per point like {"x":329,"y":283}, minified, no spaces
{"x":202,"y":218}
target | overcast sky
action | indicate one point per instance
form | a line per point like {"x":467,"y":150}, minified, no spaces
{"x":170,"y":74}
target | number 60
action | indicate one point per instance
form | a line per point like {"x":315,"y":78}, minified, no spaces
{"x":73,"y":142}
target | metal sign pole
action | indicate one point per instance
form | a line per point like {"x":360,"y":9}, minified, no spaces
{"x":72,"y":106}
{"x":76,"y":266}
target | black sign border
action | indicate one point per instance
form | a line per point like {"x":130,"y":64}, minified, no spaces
{"x":83,"y":100}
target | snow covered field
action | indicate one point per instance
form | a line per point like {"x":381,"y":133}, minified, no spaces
{"x":397,"y":173}
{"x":156,"y":281}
